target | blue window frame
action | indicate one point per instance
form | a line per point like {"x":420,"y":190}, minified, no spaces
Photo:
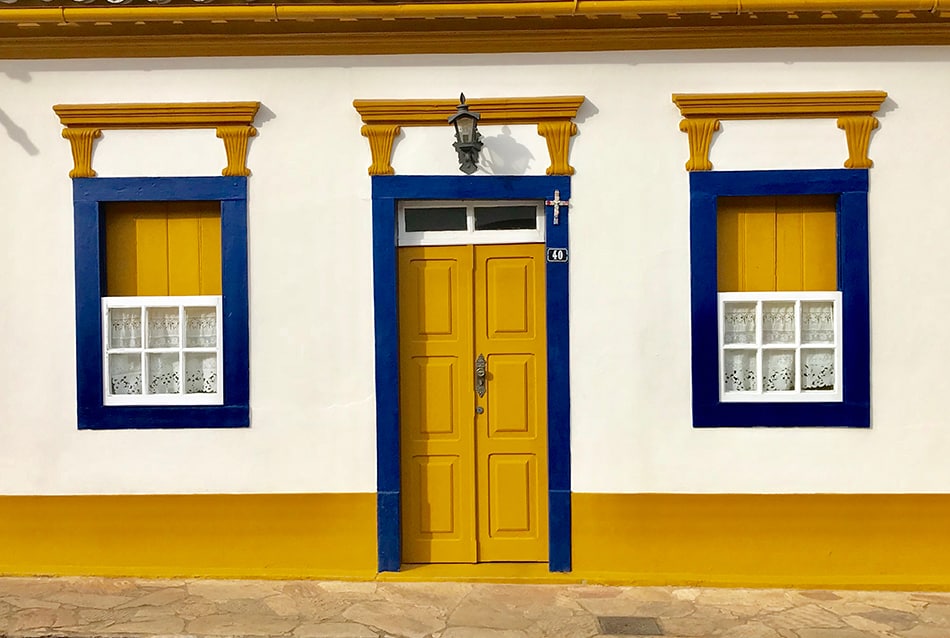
{"x":88,"y":197}
{"x":851,"y":189}
{"x":387,"y":191}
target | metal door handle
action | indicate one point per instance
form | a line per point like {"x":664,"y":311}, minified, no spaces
{"x":480,"y":375}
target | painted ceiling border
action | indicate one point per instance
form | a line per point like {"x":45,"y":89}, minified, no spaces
{"x":854,"y":111}
{"x":232,"y":121}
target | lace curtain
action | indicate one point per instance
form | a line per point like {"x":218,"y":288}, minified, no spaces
{"x":162,"y":330}
{"x":814,"y":323}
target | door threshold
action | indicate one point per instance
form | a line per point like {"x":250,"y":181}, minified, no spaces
{"x":478,"y":572}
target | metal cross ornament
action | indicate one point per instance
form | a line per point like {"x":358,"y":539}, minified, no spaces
{"x":557,"y":202}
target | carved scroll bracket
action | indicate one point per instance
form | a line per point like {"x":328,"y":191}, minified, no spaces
{"x":231,"y":120}
{"x":381,"y":138}
{"x":857,"y":130}
{"x":235,"y":146}
{"x":80,"y":142}
{"x":700,"y":133}
{"x":854,"y":111}
{"x":384,"y":119}
{"x":558,"y":137}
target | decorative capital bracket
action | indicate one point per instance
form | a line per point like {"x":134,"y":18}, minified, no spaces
{"x":231,"y":120}
{"x":383,"y":119}
{"x":854,"y":111}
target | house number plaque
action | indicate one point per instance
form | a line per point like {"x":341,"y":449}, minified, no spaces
{"x":557,"y":255}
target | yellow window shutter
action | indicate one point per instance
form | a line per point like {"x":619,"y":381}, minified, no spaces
{"x":163,"y":248}
{"x":777,"y":243}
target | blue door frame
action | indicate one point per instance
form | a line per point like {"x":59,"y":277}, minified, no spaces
{"x":387,"y":191}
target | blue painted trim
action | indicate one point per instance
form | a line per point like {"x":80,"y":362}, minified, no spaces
{"x":88,"y":194}
{"x":387,"y":190}
{"x":851,"y":187}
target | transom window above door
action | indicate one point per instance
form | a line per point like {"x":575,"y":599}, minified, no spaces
{"x":427,"y":223}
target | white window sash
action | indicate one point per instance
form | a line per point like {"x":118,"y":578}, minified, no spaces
{"x":143,"y":350}
{"x":796,"y":347}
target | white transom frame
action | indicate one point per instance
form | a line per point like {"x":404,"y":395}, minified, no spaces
{"x":180,"y":302}
{"x":469,"y":235}
{"x":759,"y":395}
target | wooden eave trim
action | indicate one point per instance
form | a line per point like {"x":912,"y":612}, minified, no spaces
{"x":748,"y":106}
{"x":854,"y":111}
{"x":473,"y":10}
{"x":232,"y":121}
{"x":169,"y":116}
{"x":493,"y":110}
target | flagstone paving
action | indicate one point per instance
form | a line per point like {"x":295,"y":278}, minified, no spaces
{"x":134,"y":608}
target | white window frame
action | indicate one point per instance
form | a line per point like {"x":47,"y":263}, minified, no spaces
{"x":181,"y":303}
{"x":469,"y":235}
{"x":789,"y":396}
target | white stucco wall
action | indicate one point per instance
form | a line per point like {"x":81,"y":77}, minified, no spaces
{"x":312,"y":362}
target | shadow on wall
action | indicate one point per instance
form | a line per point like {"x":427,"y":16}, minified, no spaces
{"x":504,"y":155}
{"x":18,"y":135}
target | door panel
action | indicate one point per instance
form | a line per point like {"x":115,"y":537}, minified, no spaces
{"x":437,"y":404}
{"x":511,"y":434}
{"x":474,"y":486}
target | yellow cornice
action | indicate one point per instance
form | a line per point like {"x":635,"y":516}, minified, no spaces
{"x":383,"y":119}
{"x":854,"y":111}
{"x":526,"y":110}
{"x":758,"y":106}
{"x":233,"y":122}
{"x":462,"y":27}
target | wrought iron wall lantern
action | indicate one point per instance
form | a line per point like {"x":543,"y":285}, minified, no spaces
{"x":468,"y":141}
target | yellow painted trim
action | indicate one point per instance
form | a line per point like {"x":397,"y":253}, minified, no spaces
{"x":854,"y":111}
{"x":80,"y":143}
{"x":850,"y":541}
{"x":381,"y":138}
{"x":894,"y":541}
{"x":232,"y":121}
{"x":211,"y":535}
{"x":383,"y":120}
{"x":517,"y":9}
{"x":45,"y":36}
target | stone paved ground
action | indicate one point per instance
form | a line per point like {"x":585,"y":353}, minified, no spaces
{"x":114,"y":608}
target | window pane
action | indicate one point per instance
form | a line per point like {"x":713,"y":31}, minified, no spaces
{"x":163,"y":377}
{"x":201,"y":373}
{"x":778,"y":370}
{"x":421,"y":219}
{"x":739,"y":369}
{"x":739,"y":323}
{"x":125,"y":374}
{"x":506,"y":218}
{"x":818,"y":370}
{"x":201,"y":328}
{"x":125,"y":327}
{"x":778,"y":322}
{"x":818,"y":325}
{"x":162,"y":327}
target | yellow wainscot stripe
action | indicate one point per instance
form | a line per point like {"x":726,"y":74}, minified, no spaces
{"x":891,"y":541}
{"x":213,"y":535}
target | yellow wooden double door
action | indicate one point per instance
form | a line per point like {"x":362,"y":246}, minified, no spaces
{"x":474,"y":468}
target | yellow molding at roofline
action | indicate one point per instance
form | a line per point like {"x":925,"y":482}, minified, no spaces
{"x":854,"y":111}
{"x":233,"y":122}
{"x":33,"y":39}
{"x":554,"y":116}
{"x":514,"y":9}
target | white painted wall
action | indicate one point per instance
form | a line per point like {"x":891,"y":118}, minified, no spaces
{"x":312,"y":387}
